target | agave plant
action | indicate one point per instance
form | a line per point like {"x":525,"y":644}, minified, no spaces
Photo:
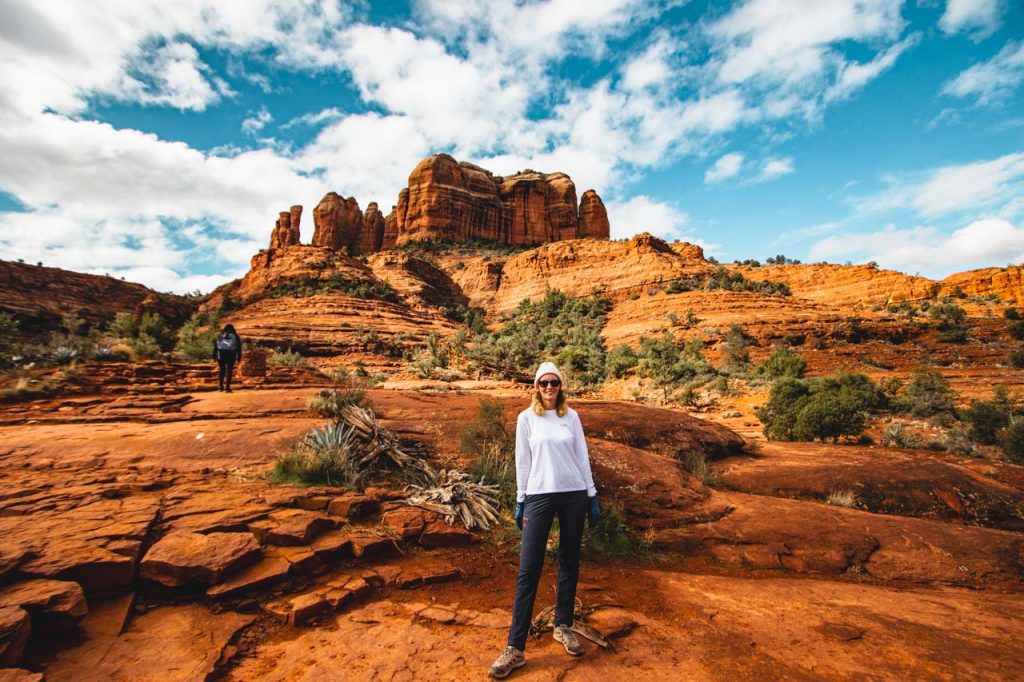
{"x":64,"y":355}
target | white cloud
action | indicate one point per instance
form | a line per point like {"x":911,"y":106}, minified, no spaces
{"x":644,"y":214}
{"x":315,"y":118}
{"x":993,"y":80}
{"x":978,"y":186}
{"x":773,"y":169}
{"x":980,"y":17}
{"x":255,"y":123}
{"x":789,"y":51}
{"x":726,"y":167}
{"x":982,"y":243}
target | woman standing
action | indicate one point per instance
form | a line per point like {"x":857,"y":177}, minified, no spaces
{"x":553,"y":478}
{"x":227,"y":350}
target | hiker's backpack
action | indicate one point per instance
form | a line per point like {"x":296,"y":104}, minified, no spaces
{"x":227,"y":342}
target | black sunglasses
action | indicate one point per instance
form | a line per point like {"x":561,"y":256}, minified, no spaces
{"x":544,"y":383}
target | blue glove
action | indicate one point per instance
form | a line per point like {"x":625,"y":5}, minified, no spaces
{"x":593,"y":511}
{"x":519,"y":515}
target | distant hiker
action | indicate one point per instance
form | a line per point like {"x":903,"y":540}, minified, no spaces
{"x":227,"y":350}
{"x":553,"y":477}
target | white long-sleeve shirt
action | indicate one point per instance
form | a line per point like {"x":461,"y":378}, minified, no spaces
{"x":551,"y":454}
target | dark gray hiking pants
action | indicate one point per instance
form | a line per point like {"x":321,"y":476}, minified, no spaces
{"x":538,"y":513}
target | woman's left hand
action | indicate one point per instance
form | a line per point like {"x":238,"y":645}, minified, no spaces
{"x":593,"y":511}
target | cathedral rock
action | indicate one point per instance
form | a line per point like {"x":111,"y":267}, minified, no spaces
{"x":451,"y":201}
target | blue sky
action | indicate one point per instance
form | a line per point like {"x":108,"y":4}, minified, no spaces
{"x":158,"y":140}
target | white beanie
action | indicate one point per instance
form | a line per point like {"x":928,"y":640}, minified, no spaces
{"x":546,"y":368}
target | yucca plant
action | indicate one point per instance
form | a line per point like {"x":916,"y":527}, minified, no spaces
{"x":64,"y":355}
{"x":328,"y":403}
{"x":326,"y":456}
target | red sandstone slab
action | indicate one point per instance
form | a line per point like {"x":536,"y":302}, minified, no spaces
{"x":187,"y":558}
{"x":268,"y":572}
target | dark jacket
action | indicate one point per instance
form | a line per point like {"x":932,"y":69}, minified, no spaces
{"x":229,"y":356}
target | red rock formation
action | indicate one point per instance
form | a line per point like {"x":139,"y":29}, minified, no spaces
{"x":337,"y":222}
{"x":451,"y":201}
{"x":371,"y":233}
{"x":296,"y":218}
{"x":593,"y":216}
{"x":282,"y":233}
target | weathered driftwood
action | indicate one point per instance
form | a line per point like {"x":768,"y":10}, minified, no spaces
{"x":456,"y":496}
{"x":545,"y":621}
{"x":379,"y":448}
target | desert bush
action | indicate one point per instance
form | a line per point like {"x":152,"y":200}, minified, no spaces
{"x":8,"y":328}
{"x":927,"y":394}
{"x":842,"y":498}
{"x":959,"y":442}
{"x":144,"y":347}
{"x":784,"y":362}
{"x":329,"y":402}
{"x":195,"y":344}
{"x":286,"y":358}
{"x":326,"y":456}
{"x":898,"y":435}
{"x":1013,"y":442}
{"x":985,"y":419}
{"x":620,"y":360}
{"x":697,"y":464}
{"x":671,"y":365}
{"x":557,"y":326}
{"x":358,"y":288}
{"x":728,"y":281}
{"x":1011,"y":314}
{"x":492,"y":445}
{"x":736,"y":356}
{"x":819,"y":409}
{"x":1016,"y":330}
{"x":124,"y":326}
{"x":155,"y":326}
{"x":1017,"y":358}
{"x":608,"y":535}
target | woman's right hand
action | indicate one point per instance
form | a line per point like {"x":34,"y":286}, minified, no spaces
{"x":519,"y":515}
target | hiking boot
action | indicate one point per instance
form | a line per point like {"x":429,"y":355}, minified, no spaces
{"x":568,"y":638}
{"x":511,"y":659}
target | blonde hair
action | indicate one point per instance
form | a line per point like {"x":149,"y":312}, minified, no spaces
{"x":561,"y":408}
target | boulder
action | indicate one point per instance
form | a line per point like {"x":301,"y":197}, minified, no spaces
{"x":15,"y":627}
{"x":186,"y":558}
{"x":52,"y":604}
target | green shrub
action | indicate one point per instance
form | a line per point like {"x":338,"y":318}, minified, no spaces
{"x":155,"y":326}
{"x":819,"y":409}
{"x":898,"y":435}
{"x":828,"y":415}
{"x":8,"y":328}
{"x":1016,"y":330}
{"x":326,"y":456}
{"x":736,"y":355}
{"x":621,"y":359}
{"x":63,"y":355}
{"x":286,"y":358}
{"x":670,"y":365}
{"x":985,"y":420}
{"x":557,"y":326}
{"x":1017,"y":359}
{"x":359,"y":288}
{"x":194,"y":344}
{"x":784,"y":362}
{"x":124,"y":326}
{"x":1011,"y":314}
{"x":928,"y":394}
{"x":492,"y":446}
{"x":728,"y":281}
{"x":608,"y":535}
{"x":1013,"y":442}
{"x":329,"y":402}
{"x":144,"y":347}
{"x":697,"y":464}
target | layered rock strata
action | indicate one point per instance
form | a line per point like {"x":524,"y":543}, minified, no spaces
{"x":451,"y":201}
